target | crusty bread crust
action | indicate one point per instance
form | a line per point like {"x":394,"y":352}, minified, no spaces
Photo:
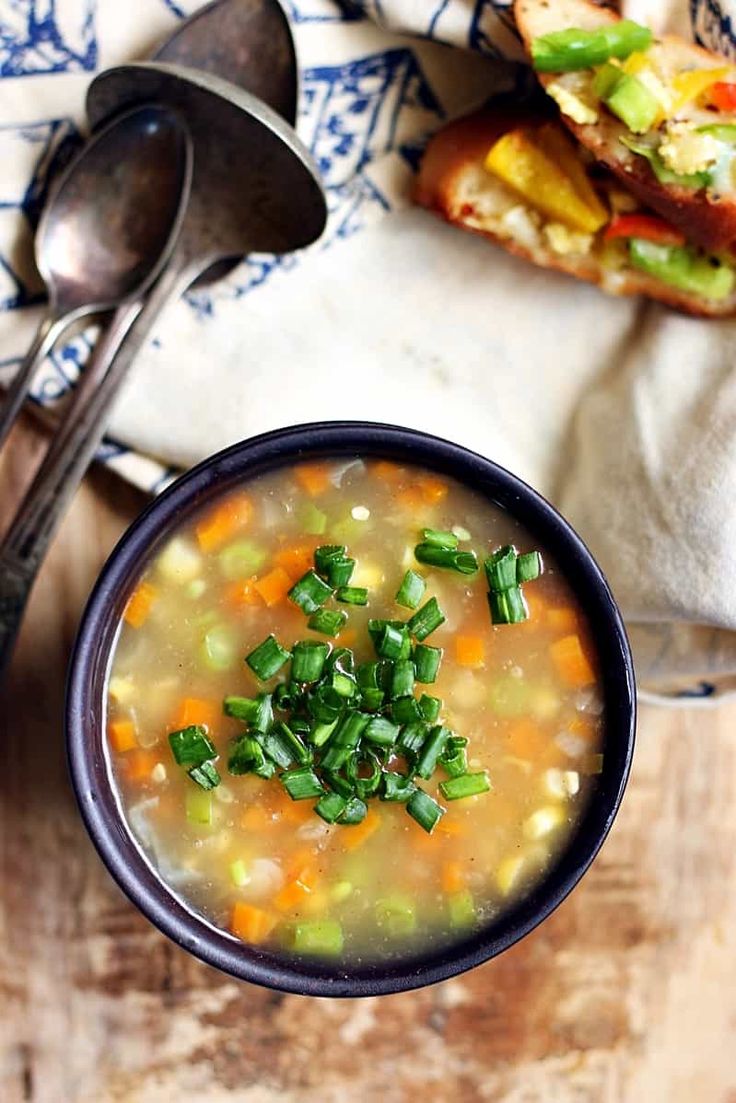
{"x":703,"y":217}
{"x":462,"y":145}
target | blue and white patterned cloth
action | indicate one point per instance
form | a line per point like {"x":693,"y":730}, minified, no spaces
{"x":395,"y":317}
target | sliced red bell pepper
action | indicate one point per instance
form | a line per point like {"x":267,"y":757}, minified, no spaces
{"x":723,"y":95}
{"x":645,"y":226}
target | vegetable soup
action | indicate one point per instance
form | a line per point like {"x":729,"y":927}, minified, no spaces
{"x":353,"y":711}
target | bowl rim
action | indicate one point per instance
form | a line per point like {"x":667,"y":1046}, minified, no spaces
{"x":84,"y":711}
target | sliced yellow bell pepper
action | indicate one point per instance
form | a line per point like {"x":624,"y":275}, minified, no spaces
{"x":688,"y":86}
{"x":543,"y":167}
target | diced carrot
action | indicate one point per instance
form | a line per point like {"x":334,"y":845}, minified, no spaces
{"x":122,"y":735}
{"x":140,"y":604}
{"x":139,"y":764}
{"x":296,"y":559}
{"x":224,"y":522}
{"x":563,"y":619}
{"x":409,"y":499}
{"x":572,"y":664}
{"x":527,"y":740}
{"x":535,"y":603}
{"x":388,"y":472}
{"x":255,"y":818}
{"x":452,"y":877}
{"x":313,"y":477}
{"x":433,"y":490}
{"x":250,"y":923}
{"x":356,"y":836}
{"x":241,"y":593}
{"x":302,"y":859}
{"x":291,"y":896}
{"x":194,"y":710}
{"x":469,"y":650}
{"x":274,"y":586}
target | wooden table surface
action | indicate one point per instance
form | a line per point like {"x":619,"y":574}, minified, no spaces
{"x":627,"y":994}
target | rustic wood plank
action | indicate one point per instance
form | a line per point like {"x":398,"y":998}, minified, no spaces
{"x":626,"y":994}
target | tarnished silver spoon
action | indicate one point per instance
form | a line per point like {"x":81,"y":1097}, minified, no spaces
{"x":107,"y":229}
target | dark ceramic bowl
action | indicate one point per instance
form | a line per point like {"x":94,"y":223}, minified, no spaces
{"x":85,"y":714}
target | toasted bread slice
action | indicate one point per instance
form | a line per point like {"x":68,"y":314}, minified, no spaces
{"x":707,"y":215}
{"x":453,"y":182}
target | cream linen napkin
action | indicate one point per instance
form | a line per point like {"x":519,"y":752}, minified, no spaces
{"x":621,"y":412}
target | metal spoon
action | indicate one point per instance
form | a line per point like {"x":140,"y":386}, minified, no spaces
{"x":254,"y":188}
{"x":107,"y":230}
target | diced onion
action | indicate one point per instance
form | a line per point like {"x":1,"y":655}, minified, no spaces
{"x":179,"y":561}
{"x":574,"y":746}
{"x":339,"y":473}
{"x":360,"y":513}
{"x":561,"y":783}
{"x":543,"y":821}
{"x":589,"y":700}
{"x":266,"y":877}
{"x":158,"y":773}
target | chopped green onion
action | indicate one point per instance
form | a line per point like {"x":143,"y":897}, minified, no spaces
{"x":342,"y":660}
{"x":426,"y":619}
{"x":313,"y":520}
{"x":318,"y":936}
{"x":330,"y":622}
{"x":507,"y":607}
{"x":199,"y":806}
{"x":352,"y":595}
{"x":431,"y":751}
{"x":190,"y":746}
{"x":324,"y":555}
{"x":392,"y":642}
{"x":267,"y":659}
{"x":355,"y":812}
{"x":427,"y":662}
{"x":255,"y":711}
{"x":467,"y":785}
{"x":381,"y":731}
{"x":302,"y":784}
{"x":397,"y":915}
{"x":397,"y":787}
{"x":528,"y":567}
{"x":364,"y":784}
{"x":300,"y":725}
{"x":308,"y":659}
{"x":501,"y":568}
{"x":320,"y":733}
{"x":242,"y":559}
{"x":405,"y":709}
{"x":464,"y":562}
{"x":372,"y":699}
{"x":429,"y":707}
{"x":344,"y":685}
{"x":402,"y":680}
{"x":339,"y":784}
{"x":286,"y":696}
{"x":425,"y":810}
{"x":285,"y":747}
{"x":454,"y":758}
{"x":247,"y":757}
{"x":413,"y":736}
{"x":447,"y":540}
{"x":345,"y":740}
{"x":461,"y":908}
{"x":367,"y":675}
{"x":206,"y":775}
{"x":411,"y":590}
{"x":340,"y":571}
{"x":325,"y":704}
{"x":310,"y":592}
{"x":331,"y":806}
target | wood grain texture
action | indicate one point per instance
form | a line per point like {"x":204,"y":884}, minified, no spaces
{"x":627,"y":994}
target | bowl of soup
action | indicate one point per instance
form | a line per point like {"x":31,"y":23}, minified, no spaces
{"x":351,"y":710}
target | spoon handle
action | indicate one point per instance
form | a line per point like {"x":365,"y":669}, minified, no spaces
{"x":72,"y":450}
{"x":47,"y":334}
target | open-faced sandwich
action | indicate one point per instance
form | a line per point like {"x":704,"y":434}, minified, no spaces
{"x":516,"y":176}
{"x":659,"y":112}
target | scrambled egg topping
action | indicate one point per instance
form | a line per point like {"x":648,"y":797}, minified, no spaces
{"x":564,"y":241}
{"x":572,"y":105}
{"x":684,"y":151}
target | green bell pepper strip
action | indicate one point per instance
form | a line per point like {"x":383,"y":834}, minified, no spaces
{"x":682,"y":267}
{"x":572,"y":49}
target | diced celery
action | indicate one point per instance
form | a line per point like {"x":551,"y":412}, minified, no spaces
{"x":510,"y":696}
{"x":242,"y":559}
{"x":313,"y":521}
{"x":461,"y":908}
{"x":347,"y":530}
{"x":319,"y":936}
{"x":219,"y":648}
{"x":341,"y":891}
{"x":199,"y":806}
{"x":396,"y":914}
{"x":196,"y":588}
{"x":239,"y":874}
